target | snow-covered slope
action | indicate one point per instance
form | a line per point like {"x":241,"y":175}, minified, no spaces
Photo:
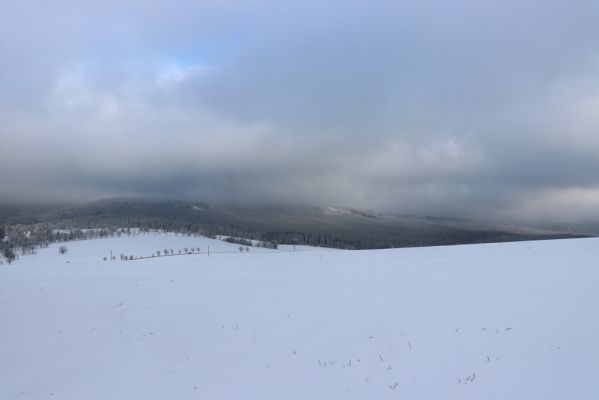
{"x":494,"y":321}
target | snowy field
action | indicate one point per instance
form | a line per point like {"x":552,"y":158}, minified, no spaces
{"x":494,"y":321}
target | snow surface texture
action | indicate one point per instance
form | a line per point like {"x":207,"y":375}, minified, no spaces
{"x":492,"y":321}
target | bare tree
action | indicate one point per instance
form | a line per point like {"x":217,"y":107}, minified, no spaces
{"x":62,"y":250}
{"x":9,"y":254}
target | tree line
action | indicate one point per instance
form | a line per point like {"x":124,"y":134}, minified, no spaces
{"x":26,"y":239}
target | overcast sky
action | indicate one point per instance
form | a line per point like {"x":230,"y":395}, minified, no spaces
{"x":481,"y":108}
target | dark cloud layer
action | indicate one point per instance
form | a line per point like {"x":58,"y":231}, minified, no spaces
{"x":486,"y":109}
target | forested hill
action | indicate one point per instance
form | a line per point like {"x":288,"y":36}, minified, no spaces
{"x":328,"y":226}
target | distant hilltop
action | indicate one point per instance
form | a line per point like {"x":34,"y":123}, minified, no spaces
{"x":330,"y":226}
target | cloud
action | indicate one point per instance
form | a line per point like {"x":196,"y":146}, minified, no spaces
{"x":477,"y":109}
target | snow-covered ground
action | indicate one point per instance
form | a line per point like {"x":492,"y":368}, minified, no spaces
{"x":494,"y":321}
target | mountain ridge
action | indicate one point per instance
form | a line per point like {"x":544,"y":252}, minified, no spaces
{"x":329,"y":226}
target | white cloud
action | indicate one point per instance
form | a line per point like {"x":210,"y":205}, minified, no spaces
{"x":172,"y":73}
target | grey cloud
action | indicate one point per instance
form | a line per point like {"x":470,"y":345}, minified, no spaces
{"x":468,"y":108}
